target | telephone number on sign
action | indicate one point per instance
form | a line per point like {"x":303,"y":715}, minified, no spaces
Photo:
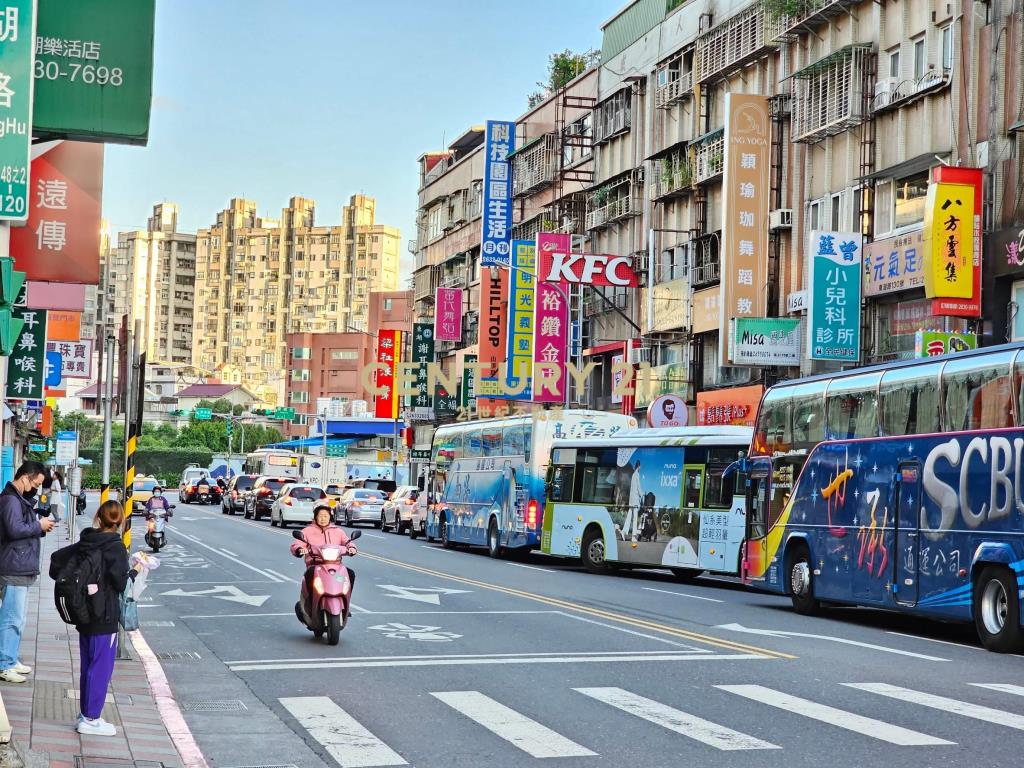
{"x":90,"y":74}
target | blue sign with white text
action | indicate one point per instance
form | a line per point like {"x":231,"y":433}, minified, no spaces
{"x":495,"y":243}
{"x":833,"y":327}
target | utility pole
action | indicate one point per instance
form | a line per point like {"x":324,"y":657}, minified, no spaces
{"x":108,"y":418}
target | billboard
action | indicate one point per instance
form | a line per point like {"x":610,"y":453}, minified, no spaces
{"x":389,"y":354}
{"x":932,"y":343}
{"x":448,"y":314}
{"x":493,"y":330}
{"x":422,"y":353}
{"x":949,"y":215}
{"x":17,"y":27}
{"x":519,"y":373}
{"x":833,"y":319}
{"x":551,"y":339}
{"x":766,"y":341}
{"x":499,"y":143}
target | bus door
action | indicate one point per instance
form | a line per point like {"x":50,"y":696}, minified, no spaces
{"x":908,"y":521}
{"x":693,"y":486}
{"x":754,"y":562}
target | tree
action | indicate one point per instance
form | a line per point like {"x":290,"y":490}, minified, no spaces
{"x":562,"y":68}
{"x":89,"y":431}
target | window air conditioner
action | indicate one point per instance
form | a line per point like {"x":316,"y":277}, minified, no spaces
{"x":885,"y":91}
{"x":780,"y":218}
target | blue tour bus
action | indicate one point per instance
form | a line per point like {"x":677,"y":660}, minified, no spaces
{"x":897,"y":486}
{"x":487,"y":484}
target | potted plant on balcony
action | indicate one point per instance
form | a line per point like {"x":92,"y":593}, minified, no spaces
{"x":600,"y":197}
{"x":780,"y":9}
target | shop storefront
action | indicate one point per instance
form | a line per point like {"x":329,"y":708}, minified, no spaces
{"x":1005,"y":310}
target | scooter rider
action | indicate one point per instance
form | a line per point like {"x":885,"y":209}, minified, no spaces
{"x":320,"y":532}
{"x":157,"y":502}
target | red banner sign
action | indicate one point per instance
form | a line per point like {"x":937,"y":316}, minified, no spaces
{"x":389,"y":354}
{"x":590,"y":269}
{"x":493,"y":328}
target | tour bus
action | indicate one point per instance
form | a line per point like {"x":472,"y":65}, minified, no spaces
{"x":897,"y":486}
{"x":272,"y":461}
{"x":650,"y":498}
{"x":487,"y":478}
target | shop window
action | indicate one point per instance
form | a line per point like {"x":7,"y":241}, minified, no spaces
{"x":911,"y":192}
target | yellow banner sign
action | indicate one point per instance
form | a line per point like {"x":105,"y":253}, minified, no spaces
{"x":949,"y":234}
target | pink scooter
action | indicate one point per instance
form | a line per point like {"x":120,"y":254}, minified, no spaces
{"x":326,"y":590}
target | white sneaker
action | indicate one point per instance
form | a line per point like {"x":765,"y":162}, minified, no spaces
{"x":22,"y":669}
{"x":97,"y":727}
{"x":11,"y":676}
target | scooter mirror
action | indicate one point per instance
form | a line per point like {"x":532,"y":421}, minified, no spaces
{"x":172,"y":506}
{"x":298,"y":535}
{"x":353,"y":536}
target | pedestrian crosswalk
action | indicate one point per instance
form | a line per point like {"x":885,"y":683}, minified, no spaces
{"x":352,"y":745}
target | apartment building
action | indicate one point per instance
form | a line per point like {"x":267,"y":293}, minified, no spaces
{"x":259,"y":279}
{"x":151,"y":278}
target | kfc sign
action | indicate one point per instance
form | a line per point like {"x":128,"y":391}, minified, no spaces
{"x":591,"y":269}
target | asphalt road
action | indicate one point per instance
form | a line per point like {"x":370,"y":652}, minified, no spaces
{"x":454,"y":659}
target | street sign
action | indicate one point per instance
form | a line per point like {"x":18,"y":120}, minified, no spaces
{"x":203,"y":414}
{"x":284,"y":413}
{"x":67,"y":448}
{"x":54,"y":366}
{"x":337,"y":451}
{"x":37,"y":447}
{"x":94,"y":80}
{"x":26,"y":367}
{"x":420,"y":453}
{"x":17,"y":57}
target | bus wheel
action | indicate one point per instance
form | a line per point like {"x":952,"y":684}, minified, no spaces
{"x":686,"y":575}
{"x":592,"y":552}
{"x":997,"y":611}
{"x":801,"y":584}
{"x":493,"y":539}
{"x":443,"y":533}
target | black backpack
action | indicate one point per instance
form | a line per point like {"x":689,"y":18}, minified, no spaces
{"x":71,"y":592}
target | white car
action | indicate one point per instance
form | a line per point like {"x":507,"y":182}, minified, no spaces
{"x":396,"y":515}
{"x":295,"y":504}
{"x":418,"y":522}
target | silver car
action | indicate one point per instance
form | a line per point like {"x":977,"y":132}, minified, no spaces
{"x":295,"y":504}
{"x":360,"y":505}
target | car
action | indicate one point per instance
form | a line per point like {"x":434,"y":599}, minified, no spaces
{"x":197,"y":485}
{"x":260,"y":498}
{"x":396,"y":514}
{"x":234,"y":497}
{"x":360,"y":505}
{"x":387,"y":487}
{"x":142,"y":491}
{"x":295,"y":504}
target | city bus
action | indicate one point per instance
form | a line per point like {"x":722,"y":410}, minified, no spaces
{"x":272,"y":461}
{"x":897,"y":486}
{"x":649,"y":498}
{"x":487,"y":476}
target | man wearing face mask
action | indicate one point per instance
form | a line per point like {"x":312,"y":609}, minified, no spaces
{"x":20,"y":533}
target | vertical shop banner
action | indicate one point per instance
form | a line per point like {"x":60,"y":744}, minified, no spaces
{"x":950,"y":235}
{"x":548,"y":246}
{"x":61,"y":240}
{"x":389,"y":354}
{"x":549,"y":346}
{"x":519,"y":372}
{"x":17,"y":60}
{"x":500,"y":142}
{"x":26,"y":367}
{"x":745,"y":187}
{"x":833,"y":320}
{"x":422,"y":353}
{"x":448,"y":314}
{"x":467,"y":392}
{"x":493,"y":317}
{"x":75,"y":357}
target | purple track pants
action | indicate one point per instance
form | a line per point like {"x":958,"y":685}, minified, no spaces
{"x":98,"y":653}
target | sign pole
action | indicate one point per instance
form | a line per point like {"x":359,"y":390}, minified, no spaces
{"x":323,"y":457}
{"x":108,"y":418}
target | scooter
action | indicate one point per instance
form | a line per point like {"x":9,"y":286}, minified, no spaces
{"x":323,"y":605}
{"x":155,"y":522}
{"x":204,"y":492}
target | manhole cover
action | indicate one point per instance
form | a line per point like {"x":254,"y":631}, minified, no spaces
{"x":51,"y":701}
{"x":157,"y":623}
{"x":213,"y":705}
{"x":178,"y":656}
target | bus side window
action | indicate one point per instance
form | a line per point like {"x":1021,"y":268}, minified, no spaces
{"x":977,"y":393}
{"x":473,"y":446}
{"x":909,"y":400}
{"x":561,"y":483}
{"x":512,"y":440}
{"x":773,"y":431}
{"x":491,"y":441}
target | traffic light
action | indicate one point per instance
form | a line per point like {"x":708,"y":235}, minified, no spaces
{"x":11,"y":282}
{"x":227,"y":422}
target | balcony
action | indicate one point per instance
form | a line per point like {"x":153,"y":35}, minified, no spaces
{"x":455,"y":279}
{"x":706,"y":269}
{"x":828,"y":95}
{"x":534,"y":165}
{"x":892,"y":92}
{"x":736,"y":41}
{"x":708,"y":156}
{"x":673,"y":177}
{"x":674,"y":91}
{"x":792,"y":18}
{"x":424,"y":284}
{"x":610,"y":206}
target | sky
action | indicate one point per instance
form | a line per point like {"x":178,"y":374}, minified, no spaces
{"x":328,"y":98}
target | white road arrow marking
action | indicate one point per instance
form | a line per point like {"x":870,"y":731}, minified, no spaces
{"x":430,"y":595}
{"x":230,"y":593}
{"x":843,"y":640}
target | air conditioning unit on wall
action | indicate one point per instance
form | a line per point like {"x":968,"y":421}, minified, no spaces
{"x":780,"y":218}
{"x":885,"y":90}
{"x":639,"y":355}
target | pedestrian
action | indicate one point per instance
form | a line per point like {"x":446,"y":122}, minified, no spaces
{"x":56,"y":495}
{"x":97,"y":640}
{"x":20,"y":532}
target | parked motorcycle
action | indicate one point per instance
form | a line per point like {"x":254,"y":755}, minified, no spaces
{"x":156,"y":537}
{"x":326,"y":590}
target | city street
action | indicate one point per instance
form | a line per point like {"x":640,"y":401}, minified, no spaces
{"x":454,"y":659}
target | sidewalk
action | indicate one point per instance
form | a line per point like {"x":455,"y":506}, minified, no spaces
{"x":42,"y":711}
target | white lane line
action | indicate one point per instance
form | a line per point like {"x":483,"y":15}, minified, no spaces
{"x":437,"y":549}
{"x":531,"y":567}
{"x":1017,"y":690}
{"x":934,"y":640}
{"x":374,"y":535}
{"x":691,"y":648}
{"x":360,"y":609}
{"x":877,"y":729}
{"x":518,"y":730}
{"x":228,"y":552}
{"x":344,"y":738}
{"x":318,"y":660}
{"x":683,"y":594}
{"x":237,"y":560}
{"x":232,"y":615}
{"x":493,"y":661}
{"x":697,"y":728}
{"x":957,"y":707}
{"x":281,"y":575}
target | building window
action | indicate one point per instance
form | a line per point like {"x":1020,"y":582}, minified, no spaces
{"x":883,"y":208}
{"x":920,"y":58}
{"x":344,"y":354}
{"x":911,"y":192}
{"x":301,"y":353}
{"x":387,"y":305}
{"x":300,"y":374}
{"x":298,"y":397}
{"x":947,"y":48}
{"x":814,"y":210}
{"x":613,"y":115}
{"x":673,"y":264}
{"x":1017,"y":311}
{"x":894,"y":63}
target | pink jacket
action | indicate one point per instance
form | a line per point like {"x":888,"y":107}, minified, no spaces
{"x":318,"y":536}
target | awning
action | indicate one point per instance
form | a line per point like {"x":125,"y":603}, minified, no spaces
{"x":908,"y":167}
{"x":827,"y":61}
{"x":313,"y":442}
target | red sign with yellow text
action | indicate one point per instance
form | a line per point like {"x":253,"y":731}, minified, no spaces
{"x":389,"y":355}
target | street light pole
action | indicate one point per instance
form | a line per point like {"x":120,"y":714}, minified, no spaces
{"x":323,"y":457}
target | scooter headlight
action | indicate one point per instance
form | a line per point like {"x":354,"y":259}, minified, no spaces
{"x":318,"y":585}
{"x":151,"y":526}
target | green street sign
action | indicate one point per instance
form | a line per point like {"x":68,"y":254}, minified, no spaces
{"x":203,"y":414}
{"x":284,"y":413}
{"x":37,"y":447}
{"x":17,"y":53}
{"x":420,"y":454}
{"x":26,"y":370}
{"x":337,"y":451}
{"x":94,"y":69}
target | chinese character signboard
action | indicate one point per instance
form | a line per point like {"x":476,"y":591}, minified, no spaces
{"x":952,"y":241}
{"x":833,"y":320}
{"x":26,"y":368}
{"x":668,"y":379}
{"x":17,"y":27}
{"x":468,"y":393}
{"x":62,"y":325}
{"x":894,"y":264}
{"x":389,"y":346}
{"x":497,"y":193}
{"x":766,"y":341}
{"x":422,"y":353}
{"x":670,"y":301}
{"x":551,"y":336}
{"x":76,"y":357}
{"x":736,"y":406}
{"x":932,"y":343}
{"x":61,"y":240}
{"x":493,"y":316}
{"x":520,"y":320}
{"x":618,"y":374}
{"x":744,"y":245}
{"x":448,"y":314}
{"x":94,"y":69}
{"x":1009,"y":250}
{"x":550,"y":246}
